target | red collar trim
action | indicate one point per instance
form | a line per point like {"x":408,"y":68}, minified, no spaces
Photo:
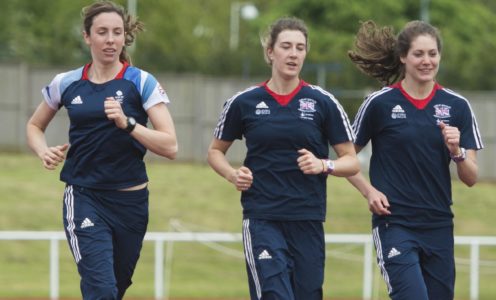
{"x":418,"y":103}
{"x":85,"y":72}
{"x":284,"y":99}
{"x":119,"y":75}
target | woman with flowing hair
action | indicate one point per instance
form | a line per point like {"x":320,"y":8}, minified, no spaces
{"x":417,"y":128}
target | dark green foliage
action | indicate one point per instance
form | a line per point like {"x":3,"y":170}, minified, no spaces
{"x":191,"y":36}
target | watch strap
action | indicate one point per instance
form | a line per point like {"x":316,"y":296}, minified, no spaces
{"x":329,"y":166}
{"x":131,"y":124}
{"x":460,"y":156}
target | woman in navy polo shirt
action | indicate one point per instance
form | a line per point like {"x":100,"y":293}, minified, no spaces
{"x":109,"y":103}
{"x":417,"y":128}
{"x":288,"y":126}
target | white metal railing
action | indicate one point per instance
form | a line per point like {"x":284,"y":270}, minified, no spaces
{"x":162,"y":237}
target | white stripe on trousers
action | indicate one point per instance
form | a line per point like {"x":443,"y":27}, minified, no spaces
{"x":69,"y":206}
{"x":380,"y":258}
{"x":250,"y":259}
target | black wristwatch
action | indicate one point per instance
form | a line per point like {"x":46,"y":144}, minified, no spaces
{"x":131,"y":124}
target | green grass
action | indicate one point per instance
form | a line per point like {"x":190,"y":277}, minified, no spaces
{"x":202,"y":201}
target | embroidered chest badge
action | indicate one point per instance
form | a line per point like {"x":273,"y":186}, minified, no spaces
{"x":398,"y":113}
{"x":307,"y":108}
{"x":262,"y":109}
{"x":119,"y":96}
{"x":442,"y":111}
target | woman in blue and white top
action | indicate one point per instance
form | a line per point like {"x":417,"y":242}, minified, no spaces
{"x":288,"y":126}
{"x":109,"y":103}
{"x":417,"y":128}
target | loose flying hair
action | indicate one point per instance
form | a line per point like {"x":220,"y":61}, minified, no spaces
{"x":377,"y":50}
{"x":268,"y":39}
{"x":131,"y":25}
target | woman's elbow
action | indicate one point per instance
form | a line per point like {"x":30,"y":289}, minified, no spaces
{"x":349,"y":167}
{"x":470,"y":177}
{"x":470,"y":182}
{"x":354,"y":168}
{"x":172,"y":153}
{"x":169,"y":152}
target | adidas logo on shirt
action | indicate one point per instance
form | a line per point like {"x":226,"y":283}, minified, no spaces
{"x":398,"y":109}
{"x":398,"y":113}
{"x":262,"y":109}
{"x":264,"y":255}
{"x":393,"y":252}
{"x":261,"y":105}
{"x":87,"y":223}
{"x":77,"y":100}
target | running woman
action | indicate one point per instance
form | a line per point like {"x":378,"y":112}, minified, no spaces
{"x":288,"y":126}
{"x":417,"y":128}
{"x":109,"y":102}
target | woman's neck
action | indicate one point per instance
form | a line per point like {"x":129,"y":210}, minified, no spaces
{"x":417,"y":90}
{"x":281,"y":86}
{"x":99,"y":73}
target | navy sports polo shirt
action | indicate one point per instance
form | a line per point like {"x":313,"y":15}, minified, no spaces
{"x":274,"y":133}
{"x":410,"y":161}
{"x":101,"y":155}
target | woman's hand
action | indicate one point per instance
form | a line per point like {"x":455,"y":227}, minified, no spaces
{"x":378,"y":202}
{"x":451,"y":136}
{"x":53,"y":156}
{"x":308,"y":163}
{"x":114,"y":112}
{"x":242,"y":178}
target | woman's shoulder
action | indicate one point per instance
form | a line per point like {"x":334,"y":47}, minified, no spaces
{"x":133,"y":71}
{"x":64,"y":79}
{"x":74,"y":73}
{"x":247,"y":93}
{"x":451,"y":94}
{"x":318,"y":93}
{"x":380,"y":95}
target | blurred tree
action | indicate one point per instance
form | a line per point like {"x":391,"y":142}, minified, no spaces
{"x":5,"y":49}
{"x":468,"y":59}
{"x":191,"y":36}
{"x":41,"y":35}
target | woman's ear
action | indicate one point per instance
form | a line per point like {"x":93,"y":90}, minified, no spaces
{"x":270,"y":54}
{"x":86,"y":38}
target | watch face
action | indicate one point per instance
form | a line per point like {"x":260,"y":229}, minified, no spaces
{"x":330,"y":166}
{"x":131,"y":123}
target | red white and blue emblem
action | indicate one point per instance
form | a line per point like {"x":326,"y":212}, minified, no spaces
{"x":442,"y":111}
{"x":307,"y":105}
{"x":307,"y":108}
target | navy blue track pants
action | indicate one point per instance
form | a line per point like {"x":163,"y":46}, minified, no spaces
{"x":416,"y":264}
{"x":105,"y":231}
{"x":284,"y":259}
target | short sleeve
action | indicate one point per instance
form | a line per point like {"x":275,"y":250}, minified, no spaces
{"x":229,"y":126}
{"x":337,"y":124}
{"x":151,"y":91}
{"x":470,"y":137}
{"x":52,"y":93}
{"x":363,"y":123}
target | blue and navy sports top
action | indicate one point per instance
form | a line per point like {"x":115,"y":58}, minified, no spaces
{"x":275,"y":130}
{"x":101,"y":155}
{"x":410,"y":161}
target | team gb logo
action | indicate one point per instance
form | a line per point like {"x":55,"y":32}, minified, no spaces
{"x":442,"y":111}
{"x":119,"y":96}
{"x":307,"y":108}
